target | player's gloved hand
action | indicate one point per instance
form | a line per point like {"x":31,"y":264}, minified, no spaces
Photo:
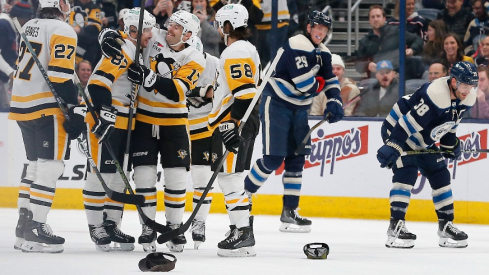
{"x":76,"y":124}
{"x":110,"y":42}
{"x":230,"y":135}
{"x":197,"y":97}
{"x":105,"y":124}
{"x":451,"y":152}
{"x":141,"y":75}
{"x":388,"y":154}
{"x":334,"y":110}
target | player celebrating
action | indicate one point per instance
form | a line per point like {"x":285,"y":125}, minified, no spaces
{"x":303,"y":71}
{"x":108,"y":89}
{"x":416,"y":122}
{"x":171,"y":69}
{"x":41,"y":121}
{"x":239,"y":72}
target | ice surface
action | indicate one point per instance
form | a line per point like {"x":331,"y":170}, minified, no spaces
{"x":357,"y":247}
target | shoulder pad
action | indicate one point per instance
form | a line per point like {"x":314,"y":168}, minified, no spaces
{"x":300,"y":42}
{"x":439,"y":92}
{"x":470,"y":99}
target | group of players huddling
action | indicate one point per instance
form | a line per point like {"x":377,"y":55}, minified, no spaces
{"x":189,"y":108}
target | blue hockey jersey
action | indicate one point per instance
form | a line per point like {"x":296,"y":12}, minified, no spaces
{"x":427,"y":116}
{"x":295,"y":81}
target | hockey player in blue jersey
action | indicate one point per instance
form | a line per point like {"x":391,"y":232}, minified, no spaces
{"x":303,"y":71}
{"x":417,"y":122}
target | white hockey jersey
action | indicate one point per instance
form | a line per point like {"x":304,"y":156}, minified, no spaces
{"x":183,"y":67}
{"x":239,"y":73}
{"x":54,"y":42}
{"x":198,"y":117}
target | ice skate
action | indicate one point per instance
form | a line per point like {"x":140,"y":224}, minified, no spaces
{"x":198,"y":233}
{"x":176,"y":244}
{"x":24,"y":216}
{"x":147,"y":239}
{"x":239,"y":243}
{"x":398,"y":235}
{"x":100,"y":237}
{"x":121,"y":240}
{"x":293,"y":222}
{"x":450,"y":236}
{"x":39,"y":237}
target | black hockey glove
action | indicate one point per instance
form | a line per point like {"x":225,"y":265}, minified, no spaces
{"x":105,"y":124}
{"x":76,"y":124}
{"x":141,"y":75}
{"x":230,"y":135}
{"x":388,"y":154}
{"x":197,"y":97}
{"x":334,"y":110}
{"x":111,"y":43}
{"x":451,"y":152}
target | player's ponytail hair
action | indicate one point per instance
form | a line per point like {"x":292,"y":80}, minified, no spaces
{"x":241,"y":33}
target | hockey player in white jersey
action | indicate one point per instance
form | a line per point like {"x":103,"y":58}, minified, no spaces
{"x":200,"y":105}
{"x":239,"y":72}
{"x":171,"y":68}
{"x":45,"y":132}
{"x":109,"y":91}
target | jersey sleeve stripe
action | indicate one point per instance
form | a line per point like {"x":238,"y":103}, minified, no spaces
{"x":28,"y":98}
{"x":160,"y":104}
{"x":100,"y":83}
{"x":109,"y":76}
{"x":244,"y":87}
{"x":61,"y":70}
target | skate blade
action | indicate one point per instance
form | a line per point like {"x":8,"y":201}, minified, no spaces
{"x":122,"y":247}
{"x":149,"y":247}
{"x":239,"y":252}
{"x":294,"y":228}
{"x":197,"y":244}
{"x":35,"y":247}
{"x":175,"y":247}
{"x":18,"y":243}
{"x":393,"y":242}
{"x":448,"y":242}
{"x":103,"y":247}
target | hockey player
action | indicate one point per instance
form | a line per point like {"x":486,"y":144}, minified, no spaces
{"x":199,"y":102}
{"x":416,"y":122}
{"x":41,"y":121}
{"x":109,"y":90}
{"x":171,"y":69}
{"x":303,"y":71}
{"x":239,"y":72}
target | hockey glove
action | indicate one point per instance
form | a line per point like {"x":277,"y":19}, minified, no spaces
{"x":334,"y":110}
{"x":141,"y":75}
{"x":105,"y":123}
{"x":76,"y":124}
{"x":197,"y":97}
{"x":230,"y":135}
{"x":451,"y":152}
{"x":110,"y":43}
{"x":388,"y":154}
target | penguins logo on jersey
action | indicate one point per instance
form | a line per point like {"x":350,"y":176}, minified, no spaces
{"x":206,"y":155}
{"x":182,"y":153}
{"x":439,"y":131}
{"x":163,"y":65}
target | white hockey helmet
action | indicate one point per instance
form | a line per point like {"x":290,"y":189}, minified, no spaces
{"x":55,"y":4}
{"x":196,"y":43}
{"x":236,"y":14}
{"x":131,"y":18}
{"x":189,"y":22}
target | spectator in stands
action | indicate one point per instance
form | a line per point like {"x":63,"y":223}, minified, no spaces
{"x":453,"y":51}
{"x":209,"y":35}
{"x":348,"y":90}
{"x":379,"y":98}
{"x":434,"y":45}
{"x":456,"y":17}
{"x":415,"y":23}
{"x":436,"y":71}
{"x":481,"y":106}
{"x":483,"y":58}
{"x":382,"y":43}
{"x":88,"y":47}
{"x":83,"y":71}
{"x":162,"y":10}
{"x":477,"y":29}
{"x":109,"y":18}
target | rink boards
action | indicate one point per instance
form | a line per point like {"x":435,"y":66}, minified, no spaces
{"x":342,"y":177}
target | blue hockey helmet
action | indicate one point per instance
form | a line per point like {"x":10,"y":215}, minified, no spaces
{"x":319,"y":18}
{"x":465,"y":72}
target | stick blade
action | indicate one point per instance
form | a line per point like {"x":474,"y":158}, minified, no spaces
{"x":125,"y":198}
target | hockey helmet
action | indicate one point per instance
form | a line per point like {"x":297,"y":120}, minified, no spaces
{"x":465,"y":72}
{"x":236,"y":14}
{"x":196,"y":43}
{"x":131,"y":18}
{"x":189,"y":22}
{"x":55,"y":4}
{"x":319,"y":18}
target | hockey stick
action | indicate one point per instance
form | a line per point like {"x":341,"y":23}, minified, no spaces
{"x":146,"y":220}
{"x":116,"y":196}
{"x":424,"y":152}
{"x":308,"y":135}
{"x":163,"y":238}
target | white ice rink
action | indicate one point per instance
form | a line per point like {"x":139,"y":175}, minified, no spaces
{"x":357,"y":247}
